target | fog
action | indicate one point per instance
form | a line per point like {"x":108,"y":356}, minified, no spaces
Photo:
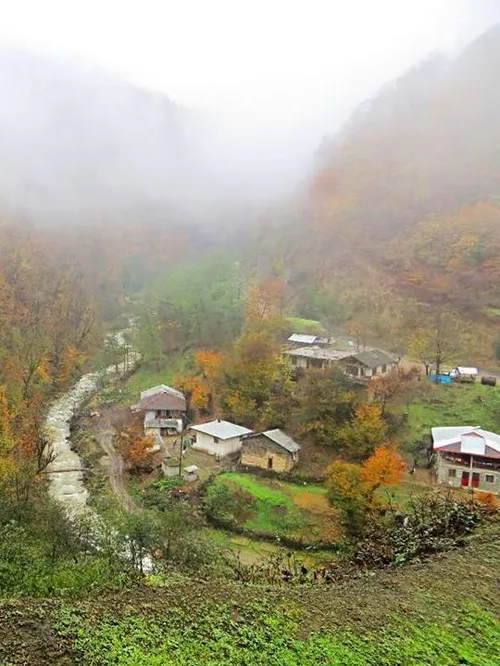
{"x":139,"y":108}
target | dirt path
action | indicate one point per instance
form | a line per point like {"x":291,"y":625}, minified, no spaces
{"x":105,"y":434}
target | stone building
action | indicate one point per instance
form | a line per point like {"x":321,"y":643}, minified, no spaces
{"x":362,"y":365}
{"x":272,"y":450}
{"x":467,"y":456}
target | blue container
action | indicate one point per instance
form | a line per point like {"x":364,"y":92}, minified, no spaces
{"x":440,"y":379}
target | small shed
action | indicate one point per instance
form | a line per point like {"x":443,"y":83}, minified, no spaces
{"x":464,"y":374}
{"x":191,"y":473}
{"x":272,"y":450}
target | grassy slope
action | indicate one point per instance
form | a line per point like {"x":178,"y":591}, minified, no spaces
{"x":284,"y":508}
{"x":458,"y":404}
{"x":128,"y":392}
{"x":305,"y":326}
{"x":440,"y":613}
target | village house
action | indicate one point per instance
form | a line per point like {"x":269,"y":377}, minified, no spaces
{"x":363,"y":365}
{"x":272,"y":450}
{"x":218,"y":438}
{"x":467,"y":456}
{"x":369,"y":363}
{"x":164,"y":409}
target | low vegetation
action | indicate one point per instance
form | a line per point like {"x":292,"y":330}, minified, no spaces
{"x":272,"y":508}
{"x":441,"y":613}
{"x":465,"y":404}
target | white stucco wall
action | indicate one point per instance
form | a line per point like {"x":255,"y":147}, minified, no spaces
{"x":222,"y":448}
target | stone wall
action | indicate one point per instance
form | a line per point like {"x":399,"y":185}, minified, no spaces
{"x":259,"y":451}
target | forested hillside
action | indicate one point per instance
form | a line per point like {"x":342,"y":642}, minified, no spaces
{"x":402,"y":216}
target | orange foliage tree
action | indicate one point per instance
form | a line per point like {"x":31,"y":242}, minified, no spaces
{"x":351,"y":487}
{"x":384,"y":467}
{"x":201,"y":385}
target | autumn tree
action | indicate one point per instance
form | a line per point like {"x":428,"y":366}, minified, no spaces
{"x":254,"y":382}
{"x":439,"y":340}
{"x":200,"y":385}
{"x":384,"y":467}
{"x":364,"y":431}
{"x":351,"y":487}
{"x":324,"y":402}
{"x":264,"y":306}
{"x":346,"y":491}
{"x":135,"y":448}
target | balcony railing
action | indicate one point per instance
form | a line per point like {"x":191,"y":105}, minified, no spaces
{"x":477,"y":463}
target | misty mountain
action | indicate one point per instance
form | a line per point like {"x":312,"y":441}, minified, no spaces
{"x":76,"y":141}
{"x":404,"y":205}
{"x":428,"y":142}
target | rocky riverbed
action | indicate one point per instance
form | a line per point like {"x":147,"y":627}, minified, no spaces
{"x":65,"y":472}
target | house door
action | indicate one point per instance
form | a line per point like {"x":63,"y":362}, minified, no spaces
{"x":465,"y":479}
{"x":269,"y":463}
{"x":475,"y":480}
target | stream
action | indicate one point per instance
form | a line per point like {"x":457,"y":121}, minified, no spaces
{"x":65,"y":472}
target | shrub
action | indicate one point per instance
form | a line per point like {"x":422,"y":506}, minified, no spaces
{"x":433,"y":523}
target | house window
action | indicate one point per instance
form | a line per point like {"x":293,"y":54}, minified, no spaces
{"x":269,"y":463}
{"x":489,"y":478}
{"x":452,"y":473}
{"x":352,"y":370}
{"x":362,"y":372}
{"x":384,"y":369}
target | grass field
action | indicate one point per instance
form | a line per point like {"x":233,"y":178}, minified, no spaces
{"x":306,"y":326}
{"x":273,"y":507}
{"x":443,"y":612}
{"x":128,"y":392}
{"x":458,"y":404}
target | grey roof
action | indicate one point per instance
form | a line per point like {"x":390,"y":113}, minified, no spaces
{"x":221,"y":429}
{"x":319,"y":352}
{"x":282,"y":439}
{"x":162,"y":388}
{"x":373,"y":358}
{"x":303,"y":339}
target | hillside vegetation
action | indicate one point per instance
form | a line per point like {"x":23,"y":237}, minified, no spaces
{"x":443,"y":612}
{"x":402,"y":217}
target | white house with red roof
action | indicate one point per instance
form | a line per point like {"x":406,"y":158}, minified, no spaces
{"x":467,"y":456}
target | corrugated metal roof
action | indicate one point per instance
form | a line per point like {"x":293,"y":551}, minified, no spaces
{"x":465,"y":371}
{"x":319,"y":352}
{"x":303,"y":339}
{"x":221,"y":429}
{"x":282,"y":439}
{"x":161,"y":388}
{"x":463,"y":436}
{"x":373,"y":358}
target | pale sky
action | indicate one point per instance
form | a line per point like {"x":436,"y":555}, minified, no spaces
{"x":289,"y":70}
{"x":252,"y":56}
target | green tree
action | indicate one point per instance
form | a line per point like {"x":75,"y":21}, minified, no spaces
{"x":325,"y":401}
